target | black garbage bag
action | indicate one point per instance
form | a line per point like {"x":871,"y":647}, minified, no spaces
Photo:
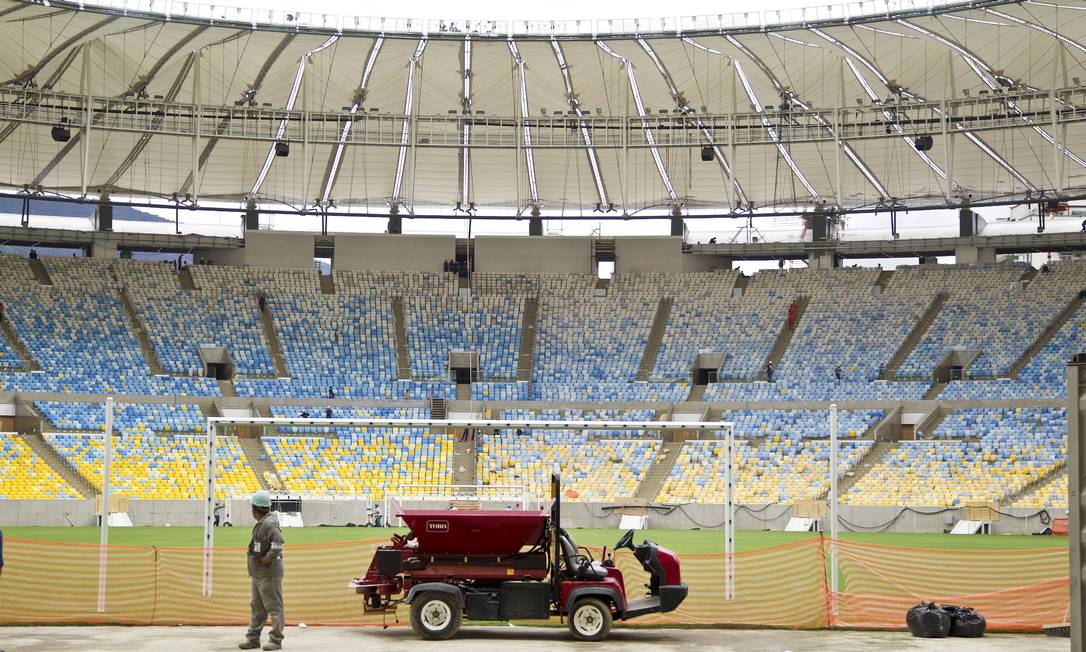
{"x":965,"y":623}
{"x":928,"y":621}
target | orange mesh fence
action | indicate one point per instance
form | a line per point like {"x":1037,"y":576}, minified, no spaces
{"x":1014,"y":589}
{"x":783,"y":586}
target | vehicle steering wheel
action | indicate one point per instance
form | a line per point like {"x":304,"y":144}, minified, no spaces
{"x":626,"y":541}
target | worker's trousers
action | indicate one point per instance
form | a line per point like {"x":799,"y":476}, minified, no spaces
{"x":267,"y":602}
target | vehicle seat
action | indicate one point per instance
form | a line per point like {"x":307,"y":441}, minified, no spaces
{"x":592,"y":572}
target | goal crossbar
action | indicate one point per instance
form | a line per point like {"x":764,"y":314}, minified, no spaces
{"x":215,"y":423}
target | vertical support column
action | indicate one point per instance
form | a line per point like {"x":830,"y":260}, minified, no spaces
{"x":1076,"y":475}
{"x":837,"y":119}
{"x":729,"y":518}
{"x":731,"y":130}
{"x":84,"y":140}
{"x":196,"y":112}
{"x":833,"y":509}
{"x":948,"y":133}
{"x":209,"y":505}
{"x":103,"y":548}
{"x":1059,"y":140}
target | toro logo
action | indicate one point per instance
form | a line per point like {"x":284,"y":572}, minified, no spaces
{"x":437,"y":526}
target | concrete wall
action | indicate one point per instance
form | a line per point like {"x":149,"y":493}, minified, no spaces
{"x":705,"y":263}
{"x":279,"y":249}
{"x":574,"y":515}
{"x":539,"y":254}
{"x":394,"y":253}
{"x":265,"y":249}
{"x":649,"y":254}
{"x":972,"y":255}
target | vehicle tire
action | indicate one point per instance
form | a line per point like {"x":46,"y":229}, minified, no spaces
{"x":590,"y":619}
{"x":435,"y":616}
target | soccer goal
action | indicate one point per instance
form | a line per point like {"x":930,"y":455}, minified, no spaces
{"x":470,"y":494}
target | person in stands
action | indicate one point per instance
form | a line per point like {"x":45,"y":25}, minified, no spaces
{"x":837,"y":372}
{"x":331,"y":392}
{"x":793,"y":310}
{"x":1,"y":311}
{"x":262,"y":301}
{"x":769,"y":371}
{"x":1083,"y":226}
{"x":33,"y":254}
{"x":327,"y":413}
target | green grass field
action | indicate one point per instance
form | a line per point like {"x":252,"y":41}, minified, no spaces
{"x":683,"y":541}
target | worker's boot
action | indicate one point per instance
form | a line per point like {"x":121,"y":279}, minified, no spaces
{"x":273,"y":645}
{"x":250,"y":644}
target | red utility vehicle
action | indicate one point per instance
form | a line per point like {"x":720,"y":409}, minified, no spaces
{"x":510,"y":565}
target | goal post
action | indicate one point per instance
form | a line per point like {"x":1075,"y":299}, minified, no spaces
{"x":216,"y":428}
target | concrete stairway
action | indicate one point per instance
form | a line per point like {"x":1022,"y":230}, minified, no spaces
{"x":463,"y":392}
{"x":60,"y":466}
{"x":661,"y":468}
{"x":915,"y":335}
{"x":328,"y":284}
{"x":139,"y":330}
{"x":876,"y":453}
{"x":1048,"y":478}
{"x":527,"y":339}
{"x":784,"y":337}
{"x":403,"y":358}
{"x":656,"y":336}
{"x":38,"y":268}
{"x":439,"y":409}
{"x":185,"y":280}
{"x":1046,"y":336}
{"x":697,"y":392}
{"x":259,"y":460}
{"x":463,"y":461}
{"x":17,"y":345}
{"x":275,"y":347}
{"x":226,"y":388}
{"x":884,"y":279}
{"x":934,"y":391}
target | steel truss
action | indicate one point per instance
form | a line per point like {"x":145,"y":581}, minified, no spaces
{"x":675,"y":130}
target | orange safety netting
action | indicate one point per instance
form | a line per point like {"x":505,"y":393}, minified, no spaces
{"x":782,"y":586}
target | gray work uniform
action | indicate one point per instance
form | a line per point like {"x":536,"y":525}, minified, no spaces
{"x":267,"y":581}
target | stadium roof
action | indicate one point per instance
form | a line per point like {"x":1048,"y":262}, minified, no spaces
{"x":830,"y":106}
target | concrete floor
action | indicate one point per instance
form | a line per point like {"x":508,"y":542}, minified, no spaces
{"x":495,"y":639}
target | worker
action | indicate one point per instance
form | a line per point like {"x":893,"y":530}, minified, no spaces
{"x":219,"y":507}
{"x":837,"y":372}
{"x":793,"y":309}
{"x":331,"y":392}
{"x":769,"y":371}
{"x":1083,"y":226}
{"x":265,"y":560}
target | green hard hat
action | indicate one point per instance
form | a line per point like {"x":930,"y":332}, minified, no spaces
{"x":261,"y":499}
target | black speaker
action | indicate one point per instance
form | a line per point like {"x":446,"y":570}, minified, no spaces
{"x":282,"y":149}
{"x":252,"y":219}
{"x":395,"y":224}
{"x":105,"y":217}
{"x":923,"y":143}
{"x":967,"y":223}
{"x":706,"y":154}
{"x":819,"y":226}
{"x":61,"y":133}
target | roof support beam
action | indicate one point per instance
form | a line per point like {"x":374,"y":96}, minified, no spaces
{"x":522,"y":114}
{"x":731,"y":182}
{"x":295,"y":90}
{"x":773,"y":133}
{"x":28,"y":75}
{"x":840,"y":145}
{"x":332,"y":171}
{"x":586,"y":134}
{"x":631,"y":76}
{"x":408,"y":121}
{"x":248,"y":96}
{"x":853,"y":55}
{"x":139,"y":89}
